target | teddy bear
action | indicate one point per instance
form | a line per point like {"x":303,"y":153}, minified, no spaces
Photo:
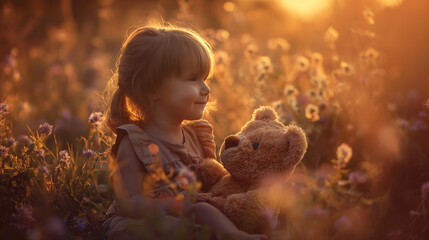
{"x":263,"y":148}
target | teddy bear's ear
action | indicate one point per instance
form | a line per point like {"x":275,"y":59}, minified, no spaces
{"x":265,"y":112}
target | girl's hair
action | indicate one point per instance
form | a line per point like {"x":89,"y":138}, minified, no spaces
{"x":149,"y":55}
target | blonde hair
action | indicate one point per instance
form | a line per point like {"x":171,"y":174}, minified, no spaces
{"x":149,"y":55}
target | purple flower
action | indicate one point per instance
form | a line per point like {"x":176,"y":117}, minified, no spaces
{"x":343,"y":223}
{"x":40,"y":152}
{"x":4,"y":108}
{"x":45,"y":129}
{"x":89,"y":153}
{"x":425,"y":190}
{"x":81,"y":224}
{"x":11,"y":143}
{"x":24,"y":218}
{"x":95,"y":118}
{"x":25,"y":140}
{"x":3,"y":151}
{"x":357,"y":177}
{"x":43,"y":169}
{"x":418,"y":125}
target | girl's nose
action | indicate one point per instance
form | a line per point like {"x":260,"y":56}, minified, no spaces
{"x":205,"y":90}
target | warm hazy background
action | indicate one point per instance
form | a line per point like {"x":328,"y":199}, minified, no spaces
{"x":347,"y":71}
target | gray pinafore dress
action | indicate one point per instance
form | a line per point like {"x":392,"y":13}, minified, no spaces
{"x":198,"y":145}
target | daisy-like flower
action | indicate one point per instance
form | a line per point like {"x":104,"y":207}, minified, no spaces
{"x":64,"y":157}
{"x":312,"y":112}
{"x":278,"y":44}
{"x":331,"y":35}
{"x":95,"y":118}
{"x":290,"y":90}
{"x":344,"y":153}
{"x":45,"y":129}
{"x":302,"y":63}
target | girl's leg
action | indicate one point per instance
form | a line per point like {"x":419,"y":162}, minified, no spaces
{"x":207,"y":214}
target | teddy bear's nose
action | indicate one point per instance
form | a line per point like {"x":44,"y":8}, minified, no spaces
{"x":231,"y":141}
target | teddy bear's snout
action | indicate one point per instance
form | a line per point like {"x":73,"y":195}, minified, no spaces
{"x":231,"y":141}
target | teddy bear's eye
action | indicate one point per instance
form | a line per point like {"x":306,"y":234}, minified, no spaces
{"x":255,"y":146}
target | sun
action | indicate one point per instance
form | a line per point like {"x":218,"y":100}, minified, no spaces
{"x":306,"y":9}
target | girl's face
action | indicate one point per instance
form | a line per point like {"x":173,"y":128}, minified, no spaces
{"x":183,"y":98}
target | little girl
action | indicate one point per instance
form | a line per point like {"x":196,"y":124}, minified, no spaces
{"x":159,"y":82}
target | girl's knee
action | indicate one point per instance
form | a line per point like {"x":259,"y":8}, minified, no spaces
{"x":200,"y":207}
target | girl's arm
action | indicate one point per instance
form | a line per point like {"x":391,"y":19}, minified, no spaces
{"x":128,"y":184}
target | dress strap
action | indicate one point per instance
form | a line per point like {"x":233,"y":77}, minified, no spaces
{"x":140,"y":142}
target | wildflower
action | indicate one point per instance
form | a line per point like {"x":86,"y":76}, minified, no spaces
{"x":331,"y":36}
{"x":270,"y":217}
{"x":55,"y":227}
{"x":45,"y":129}
{"x":316,"y":212}
{"x":369,"y":16}
{"x":64,"y":157}
{"x":290,"y":90}
{"x":89,"y":153}
{"x":221,"y":57}
{"x":153,"y":148}
{"x":3,"y":151}
{"x":263,"y":64}
{"x":4,"y":108}
{"x":357,"y":177}
{"x":316,"y":59}
{"x":95,"y":118}
{"x":43,"y":169}
{"x":301,"y":63}
{"x":24,"y":218}
{"x":25,"y":140}
{"x":40,"y":152}
{"x":418,"y":125}
{"x":11,"y":143}
{"x":425,"y":190}
{"x":346,"y":68}
{"x":222,"y":35}
{"x":251,"y":51}
{"x":312,"y":112}
{"x":344,"y":153}
{"x":188,"y":174}
{"x":343,"y":223}
{"x":402,"y":123}
{"x":81,"y":224}
{"x":182,"y":182}
{"x":278,"y":44}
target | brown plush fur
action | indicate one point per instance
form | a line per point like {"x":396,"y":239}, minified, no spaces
{"x":264,"y":147}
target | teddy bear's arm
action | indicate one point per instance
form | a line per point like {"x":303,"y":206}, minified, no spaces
{"x":247,"y":210}
{"x":209,"y":172}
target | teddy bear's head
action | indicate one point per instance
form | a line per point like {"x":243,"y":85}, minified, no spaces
{"x":264,"y":146}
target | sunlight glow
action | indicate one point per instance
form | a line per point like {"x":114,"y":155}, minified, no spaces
{"x":306,"y":9}
{"x":391,"y":3}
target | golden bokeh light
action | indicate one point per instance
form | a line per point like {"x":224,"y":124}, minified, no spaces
{"x":306,"y":9}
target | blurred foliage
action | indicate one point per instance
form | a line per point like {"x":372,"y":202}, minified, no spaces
{"x":352,"y":75}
